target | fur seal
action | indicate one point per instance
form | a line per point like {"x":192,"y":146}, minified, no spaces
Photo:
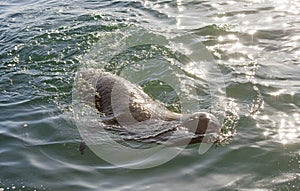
{"x":121,"y":103}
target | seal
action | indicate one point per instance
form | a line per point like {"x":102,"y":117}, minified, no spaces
{"x":121,"y":103}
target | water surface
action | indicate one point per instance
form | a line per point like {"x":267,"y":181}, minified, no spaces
{"x":255,"y":44}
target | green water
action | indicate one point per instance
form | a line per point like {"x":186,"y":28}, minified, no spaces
{"x":255,"y":45}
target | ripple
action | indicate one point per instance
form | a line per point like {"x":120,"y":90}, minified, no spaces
{"x":255,"y":43}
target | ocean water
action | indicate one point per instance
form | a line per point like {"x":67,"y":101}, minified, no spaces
{"x":238,"y":59}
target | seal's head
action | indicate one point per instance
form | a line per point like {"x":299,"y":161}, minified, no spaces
{"x":205,"y":127}
{"x":212,"y":123}
{"x":201,"y":123}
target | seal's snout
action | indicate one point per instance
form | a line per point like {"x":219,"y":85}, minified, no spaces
{"x":214,"y":125}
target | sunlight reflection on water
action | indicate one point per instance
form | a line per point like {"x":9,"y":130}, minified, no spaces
{"x":255,"y":42}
